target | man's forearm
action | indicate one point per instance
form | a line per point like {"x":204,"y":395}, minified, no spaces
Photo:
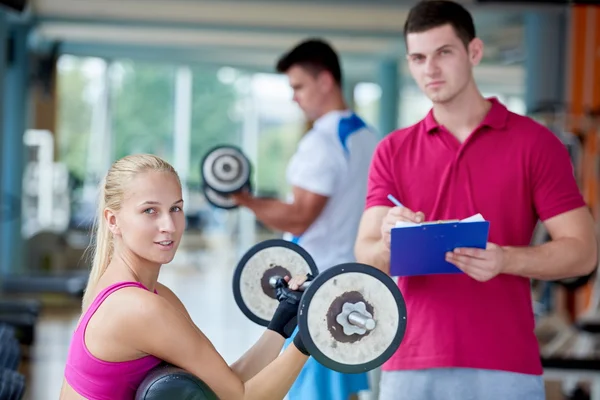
{"x":556,"y":259}
{"x":264,"y":351}
{"x":373,"y":252}
{"x":276,"y":214}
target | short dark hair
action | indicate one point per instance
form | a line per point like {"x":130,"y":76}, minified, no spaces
{"x":315,"y":55}
{"x":429,"y":14}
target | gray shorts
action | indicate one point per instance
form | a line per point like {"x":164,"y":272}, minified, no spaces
{"x":460,"y":384}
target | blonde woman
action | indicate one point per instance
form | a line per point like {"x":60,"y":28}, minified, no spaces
{"x":130,"y":323}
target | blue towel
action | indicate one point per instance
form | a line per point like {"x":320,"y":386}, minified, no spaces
{"x":317,"y":382}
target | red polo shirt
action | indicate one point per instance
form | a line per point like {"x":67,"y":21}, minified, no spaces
{"x":511,"y":170}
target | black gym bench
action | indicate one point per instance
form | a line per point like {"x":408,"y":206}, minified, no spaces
{"x":22,"y":314}
{"x":167,"y":382}
{"x":12,"y":382}
{"x":72,"y":284}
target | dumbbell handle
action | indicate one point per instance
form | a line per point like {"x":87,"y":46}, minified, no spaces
{"x":362,"y":321}
{"x":355,"y":318}
{"x":275,"y":279}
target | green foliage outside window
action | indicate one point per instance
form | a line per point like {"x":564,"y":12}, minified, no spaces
{"x":142,"y":112}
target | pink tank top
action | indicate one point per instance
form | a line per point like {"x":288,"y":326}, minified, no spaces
{"x":96,"y":379}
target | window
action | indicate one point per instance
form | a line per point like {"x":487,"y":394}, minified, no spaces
{"x":367,"y":96}
{"x":413,"y":106}
{"x":79,"y":85}
{"x":272,"y":138}
{"x":142,"y":109}
{"x":214,"y":117}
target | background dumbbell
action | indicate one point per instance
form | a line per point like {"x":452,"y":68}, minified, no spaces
{"x":221,"y":200}
{"x":352,"y":317}
{"x":224,"y":170}
{"x":12,"y":384}
{"x":10,"y":349}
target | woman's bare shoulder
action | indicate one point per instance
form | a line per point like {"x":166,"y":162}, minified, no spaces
{"x":172,"y":298}
{"x":128,"y":311}
{"x":135,"y":301}
{"x":121,"y":321}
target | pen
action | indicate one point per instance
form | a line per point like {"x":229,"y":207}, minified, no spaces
{"x":394,"y":200}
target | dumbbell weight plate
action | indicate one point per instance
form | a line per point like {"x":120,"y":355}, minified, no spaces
{"x":10,"y":354}
{"x":217,"y":199}
{"x":5,"y":379}
{"x":17,"y":389}
{"x":323,"y":302}
{"x":225,"y":169}
{"x":220,"y":200}
{"x":274,"y":257}
{"x":15,"y":360}
{"x":12,"y":384}
{"x":9,"y":347}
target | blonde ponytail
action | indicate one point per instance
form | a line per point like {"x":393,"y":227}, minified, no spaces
{"x":112,"y":193}
{"x":102,"y":248}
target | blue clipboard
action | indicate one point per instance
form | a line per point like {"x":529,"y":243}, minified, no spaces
{"x":421,"y":250}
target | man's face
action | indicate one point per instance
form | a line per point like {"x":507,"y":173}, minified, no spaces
{"x":309,"y":90}
{"x":440,"y":63}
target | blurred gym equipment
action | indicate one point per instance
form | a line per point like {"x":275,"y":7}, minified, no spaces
{"x":51,"y":259}
{"x":15,"y":5}
{"x":569,"y":336}
{"x":12,"y":382}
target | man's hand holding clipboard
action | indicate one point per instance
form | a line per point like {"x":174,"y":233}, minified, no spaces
{"x":479,"y":264}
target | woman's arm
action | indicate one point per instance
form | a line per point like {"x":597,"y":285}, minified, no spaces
{"x":265,"y":350}
{"x":156,"y":327}
{"x":172,"y":298}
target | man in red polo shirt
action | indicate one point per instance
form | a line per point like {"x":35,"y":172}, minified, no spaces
{"x":471,"y":335}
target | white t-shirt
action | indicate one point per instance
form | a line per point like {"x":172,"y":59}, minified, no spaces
{"x":333,"y":160}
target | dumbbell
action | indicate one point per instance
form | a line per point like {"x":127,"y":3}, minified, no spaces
{"x":352,"y":317}
{"x":12,"y":384}
{"x":166,"y":382}
{"x":10,"y":350}
{"x":224,"y":170}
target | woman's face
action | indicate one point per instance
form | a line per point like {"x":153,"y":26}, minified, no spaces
{"x":151,"y":220}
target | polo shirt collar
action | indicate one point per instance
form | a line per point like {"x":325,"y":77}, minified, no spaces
{"x":495,"y":118}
